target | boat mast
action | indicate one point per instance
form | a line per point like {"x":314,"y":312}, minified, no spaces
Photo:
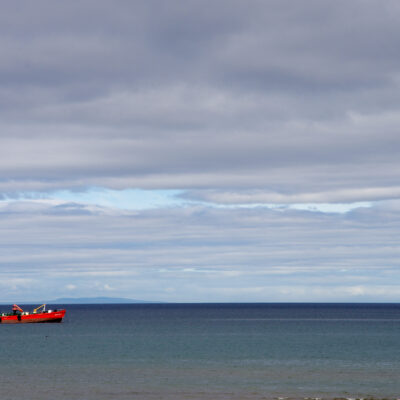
{"x":38,"y":308}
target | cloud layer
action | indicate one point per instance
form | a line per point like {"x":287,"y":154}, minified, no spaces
{"x":298,"y":102}
{"x":198,"y":254}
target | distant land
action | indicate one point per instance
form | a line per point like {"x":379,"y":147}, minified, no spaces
{"x":89,"y":300}
{"x":96,"y":300}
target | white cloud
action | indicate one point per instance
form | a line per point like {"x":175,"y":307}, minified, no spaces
{"x":204,"y":253}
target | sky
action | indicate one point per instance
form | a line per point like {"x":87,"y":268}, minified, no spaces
{"x":200,"y":151}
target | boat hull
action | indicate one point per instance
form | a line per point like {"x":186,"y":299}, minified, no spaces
{"x":46,"y":317}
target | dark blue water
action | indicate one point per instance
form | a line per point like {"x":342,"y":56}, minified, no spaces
{"x":197,"y":351}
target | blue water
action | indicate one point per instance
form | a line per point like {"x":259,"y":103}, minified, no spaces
{"x":197,"y":351}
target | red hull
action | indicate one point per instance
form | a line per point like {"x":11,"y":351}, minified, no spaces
{"x":53,"y":316}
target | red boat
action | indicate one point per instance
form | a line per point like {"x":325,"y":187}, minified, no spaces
{"x":19,"y":316}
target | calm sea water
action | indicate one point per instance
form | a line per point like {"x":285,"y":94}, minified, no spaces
{"x":213,"y":351}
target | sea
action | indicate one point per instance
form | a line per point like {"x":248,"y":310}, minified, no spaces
{"x":205,"y":351}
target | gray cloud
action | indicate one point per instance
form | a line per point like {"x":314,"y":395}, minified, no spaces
{"x":291,"y":99}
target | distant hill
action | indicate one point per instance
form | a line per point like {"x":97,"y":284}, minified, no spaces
{"x":96,"y":300}
{"x":86,"y":300}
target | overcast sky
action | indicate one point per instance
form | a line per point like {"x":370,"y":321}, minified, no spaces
{"x":200,"y":150}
